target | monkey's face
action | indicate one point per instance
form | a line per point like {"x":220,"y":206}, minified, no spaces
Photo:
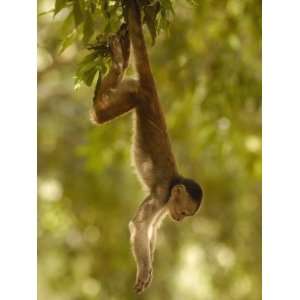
{"x":180,"y":204}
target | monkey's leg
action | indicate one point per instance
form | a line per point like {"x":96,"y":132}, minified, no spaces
{"x":140,"y":236}
{"x":115,"y":74}
{"x":125,"y":44}
{"x":116,"y":102}
{"x":113,"y":96}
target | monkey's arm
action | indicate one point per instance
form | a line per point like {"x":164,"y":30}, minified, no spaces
{"x":140,"y":236}
{"x":154,"y":227}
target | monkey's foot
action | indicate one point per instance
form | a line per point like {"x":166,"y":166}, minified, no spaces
{"x":123,"y":35}
{"x":143,"y":280}
{"x":116,"y":50}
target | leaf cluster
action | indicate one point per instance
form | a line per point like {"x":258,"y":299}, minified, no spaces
{"x":92,"y":22}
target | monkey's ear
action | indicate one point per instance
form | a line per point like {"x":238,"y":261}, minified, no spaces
{"x":178,"y":190}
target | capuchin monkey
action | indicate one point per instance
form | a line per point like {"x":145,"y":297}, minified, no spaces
{"x":168,"y":193}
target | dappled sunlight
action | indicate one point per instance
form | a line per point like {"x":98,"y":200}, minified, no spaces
{"x":225,"y":257}
{"x":44,"y":59}
{"x":253,"y":143}
{"x":91,"y":287}
{"x":192,"y":279}
{"x":224,"y":124}
{"x":49,"y":190}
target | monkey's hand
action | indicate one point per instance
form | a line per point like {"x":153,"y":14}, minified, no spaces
{"x":143,"y":278}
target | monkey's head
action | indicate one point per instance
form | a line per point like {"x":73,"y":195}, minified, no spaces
{"x":185,"y":198}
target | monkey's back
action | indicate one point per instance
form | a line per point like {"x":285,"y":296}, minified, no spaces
{"x":152,"y":153}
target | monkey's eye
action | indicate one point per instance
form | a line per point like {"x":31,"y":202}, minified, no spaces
{"x":185,"y":213}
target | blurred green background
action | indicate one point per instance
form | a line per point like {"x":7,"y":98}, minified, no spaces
{"x":208,"y":72}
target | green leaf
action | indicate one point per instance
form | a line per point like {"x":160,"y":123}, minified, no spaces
{"x":88,"y":28}
{"x":87,"y":69}
{"x":89,"y":66}
{"x":59,"y":5}
{"x":46,"y":12}
{"x":150,"y":19}
{"x":167,"y":5}
{"x":89,"y":58}
{"x":104,"y":7}
{"x":78,"y":14}
{"x":89,"y":76}
{"x":68,"y":24}
{"x":67,"y":41}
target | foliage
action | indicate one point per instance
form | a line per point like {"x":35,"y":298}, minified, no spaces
{"x":92,"y":22}
{"x":208,"y":72}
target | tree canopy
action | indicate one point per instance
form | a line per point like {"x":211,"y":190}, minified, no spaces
{"x":91,"y":22}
